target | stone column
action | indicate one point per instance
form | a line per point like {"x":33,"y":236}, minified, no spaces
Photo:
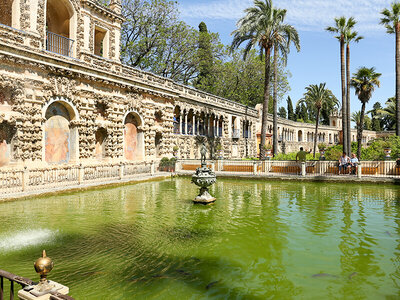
{"x":215,"y":127}
{"x":80,"y":174}
{"x":25,"y":179}
{"x":121,"y":170}
{"x":186,"y":122}
{"x":206,"y":125}
{"x":193,"y":123}
{"x":359,"y":170}
{"x":180,"y":123}
{"x":303,"y":168}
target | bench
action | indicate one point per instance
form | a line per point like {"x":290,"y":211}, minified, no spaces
{"x":240,"y":168}
{"x":192,"y":167}
{"x":292,"y":169}
{"x":370,"y":170}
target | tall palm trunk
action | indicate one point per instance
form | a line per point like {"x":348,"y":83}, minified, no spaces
{"x":275,"y":92}
{"x":397,"y":29}
{"x":360,"y":131}
{"x":316,"y":132}
{"x":348,"y":111}
{"x":265,"y":104}
{"x":344,"y":106}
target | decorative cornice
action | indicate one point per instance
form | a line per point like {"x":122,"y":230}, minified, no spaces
{"x":103,"y":10}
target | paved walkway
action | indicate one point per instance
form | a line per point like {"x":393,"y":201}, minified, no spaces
{"x":85,"y":186}
{"x":163,"y":175}
{"x":310,"y":177}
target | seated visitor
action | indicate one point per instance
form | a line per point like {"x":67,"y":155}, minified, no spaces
{"x":354,"y":163}
{"x":344,"y":163}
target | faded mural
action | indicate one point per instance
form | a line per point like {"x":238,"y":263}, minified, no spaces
{"x":131,"y":143}
{"x":132,"y":138}
{"x":6,"y":135}
{"x":57,"y":140}
{"x":101,"y":136}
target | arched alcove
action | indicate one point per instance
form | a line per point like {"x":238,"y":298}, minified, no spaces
{"x":158,"y":142}
{"x":60,"y":27}
{"x":7,"y":134}
{"x":60,"y":138}
{"x":10,"y":13}
{"x":300,"y":136}
{"x":100,"y":149}
{"x":133,"y":137}
{"x":177,"y":120}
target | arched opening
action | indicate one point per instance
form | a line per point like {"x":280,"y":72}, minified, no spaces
{"x":7,"y":134}
{"x":133,"y":137}
{"x":10,"y":13}
{"x":177,"y":120}
{"x":202,"y":129}
{"x":190,"y":125}
{"x":61,"y":140}
{"x":60,"y":27}
{"x":158,"y":142}
{"x":300,"y":136}
{"x":220,"y":126}
{"x":100,"y":149}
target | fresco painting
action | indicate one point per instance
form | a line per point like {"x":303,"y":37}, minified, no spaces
{"x":6,"y":134}
{"x":100,"y":139}
{"x":131,"y":142}
{"x":57,"y":140}
{"x":4,"y":152}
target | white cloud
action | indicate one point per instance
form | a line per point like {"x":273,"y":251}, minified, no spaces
{"x":307,"y":15}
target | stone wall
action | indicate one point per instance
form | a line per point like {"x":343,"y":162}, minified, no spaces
{"x":78,"y":107}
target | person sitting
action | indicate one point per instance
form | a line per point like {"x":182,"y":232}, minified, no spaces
{"x":354,"y":163}
{"x":344,"y":163}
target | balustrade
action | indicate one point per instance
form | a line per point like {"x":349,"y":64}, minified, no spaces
{"x":59,"y":44}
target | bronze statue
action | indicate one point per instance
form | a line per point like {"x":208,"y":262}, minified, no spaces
{"x":203,"y":153}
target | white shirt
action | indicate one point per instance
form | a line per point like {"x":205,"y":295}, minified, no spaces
{"x":344,"y":160}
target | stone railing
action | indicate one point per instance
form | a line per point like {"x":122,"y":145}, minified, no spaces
{"x":386,"y":169}
{"x":14,"y":181}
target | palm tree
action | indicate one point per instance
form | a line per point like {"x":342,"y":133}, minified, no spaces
{"x":258,"y":28}
{"x":356,"y":118}
{"x":284,"y":35}
{"x":391,"y":20}
{"x":341,"y":27}
{"x":388,"y":114}
{"x":318,"y":96}
{"x":364,"y":83}
{"x":350,"y":36}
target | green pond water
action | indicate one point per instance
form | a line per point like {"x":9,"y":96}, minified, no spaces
{"x":260,"y":240}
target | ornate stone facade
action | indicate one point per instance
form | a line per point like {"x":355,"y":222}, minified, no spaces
{"x":65,"y":97}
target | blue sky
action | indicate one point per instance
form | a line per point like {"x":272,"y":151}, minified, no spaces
{"x":318,"y":60}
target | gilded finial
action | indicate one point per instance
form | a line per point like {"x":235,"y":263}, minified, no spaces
{"x":43,"y":266}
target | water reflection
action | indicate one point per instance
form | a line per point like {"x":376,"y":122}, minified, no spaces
{"x":260,"y":240}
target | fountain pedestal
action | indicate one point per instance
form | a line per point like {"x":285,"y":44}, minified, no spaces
{"x":204,"y":177}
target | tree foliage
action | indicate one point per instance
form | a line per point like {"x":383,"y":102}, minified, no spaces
{"x":291,"y":115}
{"x":242,"y":79}
{"x":259,"y":28}
{"x":155,"y":40}
{"x":316,"y":97}
{"x":364,"y":82}
{"x":282,"y":112}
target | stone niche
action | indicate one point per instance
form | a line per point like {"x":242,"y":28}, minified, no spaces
{"x":133,"y":137}
{"x":7,"y":133}
{"x":60,"y":136}
{"x":101,"y":138}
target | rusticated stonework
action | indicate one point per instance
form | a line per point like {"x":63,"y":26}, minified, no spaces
{"x":64,"y":104}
